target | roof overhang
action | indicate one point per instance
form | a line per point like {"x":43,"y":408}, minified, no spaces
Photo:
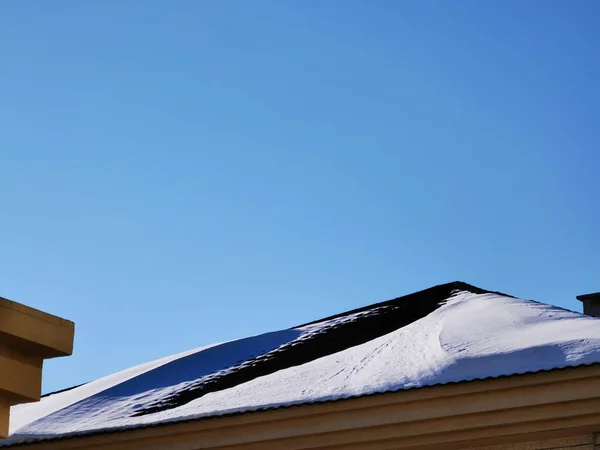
{"x":543,"y":405}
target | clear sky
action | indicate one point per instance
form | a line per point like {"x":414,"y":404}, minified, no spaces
{"x":178,"y":173}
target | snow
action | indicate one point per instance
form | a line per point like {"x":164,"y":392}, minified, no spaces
{"x":470,"y":336}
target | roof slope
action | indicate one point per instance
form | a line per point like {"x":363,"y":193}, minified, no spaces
{"x":448,"y":333}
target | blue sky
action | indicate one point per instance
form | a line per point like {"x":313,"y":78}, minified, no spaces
{"x":181,"y":173}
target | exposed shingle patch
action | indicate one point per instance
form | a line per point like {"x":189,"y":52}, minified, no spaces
{"x":379,"y":319}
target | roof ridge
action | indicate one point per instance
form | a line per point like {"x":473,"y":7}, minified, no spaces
{"x":440,"y":289}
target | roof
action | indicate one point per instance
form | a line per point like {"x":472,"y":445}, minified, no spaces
{"x":449,"y":333}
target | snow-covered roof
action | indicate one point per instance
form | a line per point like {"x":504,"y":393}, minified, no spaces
{"x":449,"y":333}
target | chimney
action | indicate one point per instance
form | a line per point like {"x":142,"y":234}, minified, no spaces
{"x":591,"y":304}
{"x":27,"y":338}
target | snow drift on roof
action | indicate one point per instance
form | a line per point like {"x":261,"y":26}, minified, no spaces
{"x":429,"y":338}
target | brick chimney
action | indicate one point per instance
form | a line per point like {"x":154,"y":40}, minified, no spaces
{"x":591,"y":304}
